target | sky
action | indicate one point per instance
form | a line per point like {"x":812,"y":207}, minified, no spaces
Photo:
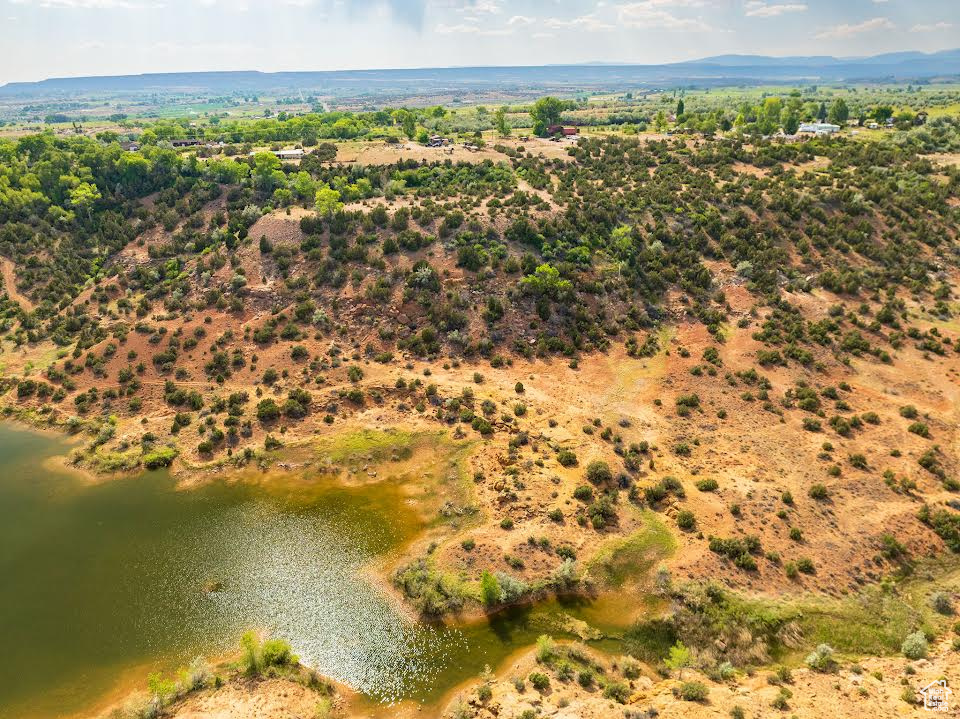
{"x":61,"y":38}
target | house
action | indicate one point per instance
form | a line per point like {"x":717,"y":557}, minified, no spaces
{"x":130,"y":146}
{"x":437,"y":141}
{"x":295,"y":154}
{"x":184,"y":143}
{"x":920,"y":118}
{"x":561,"y":130}
{"x":936,"y":696}
{"x":818,"y":128}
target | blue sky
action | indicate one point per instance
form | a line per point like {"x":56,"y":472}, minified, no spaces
{"x":53,"y":38}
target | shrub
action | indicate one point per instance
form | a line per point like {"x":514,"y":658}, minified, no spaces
{"x":818,"y":491}
{"x":686,"y":520}
{"x":821,"y":659}
{"x":630,"y":667}
{"x":914,"y":646}
{"x":539,"y":680}
{"x":584,"y":493}
{"x":598,"y":472}
{"x":267,"y":410}
{"x":694,"y":691}
{"x":546,"y":649}
{"x":161,"y":457}
{"x":942,"y":603}
{"x":276,"y":653}
{"x":909,"y":412}
{"x":257,"y":657}
{"x":618,"y":691}
{"x":707,"y":485}
{"x":490,"y":593}
{"x":567,"y":457}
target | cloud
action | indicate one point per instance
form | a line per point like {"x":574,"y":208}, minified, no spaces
{"x":848,"y":30}
{"x":92,"y":4}
{"x":488,"y":7}
{"x":933,"y":27}
{"x":472,"y":28}
{"x":651,"y":14}
{"x":409,"y":12}
{"x":759,"y":8}
{"x":521,"y":20}
{"x":589,"y":23}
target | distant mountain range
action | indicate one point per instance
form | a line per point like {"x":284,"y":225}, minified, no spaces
{"x":718,"y":70}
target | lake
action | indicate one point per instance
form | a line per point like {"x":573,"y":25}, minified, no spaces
{"x":104,"y":579}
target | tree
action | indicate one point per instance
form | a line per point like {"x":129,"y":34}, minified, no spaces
{"x":266,"y":170}
{"x":790,"y":121}
{"x":267,"y":410}
{"x":83,"y":196}
{"x":407,"y":121}
{"x":769,"y":116}
{"x":822,"y":112}
{"x":500,"y":122}
{"x":680,"y":107}
{"x":660,"y":121}
{"x":546,"y":282}
{"x":546,"y":111}
{"x":882,"y":113}
{"x":303,"y":185}
{"x":839,"y":112}
{"x":328,"y":201}
{"x":679,"y":658}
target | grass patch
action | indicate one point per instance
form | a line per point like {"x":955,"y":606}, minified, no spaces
{"x":726,"y":626}
{"x":877,"y":620}
{"x":632,"y":558}
{"x":376,"y":446}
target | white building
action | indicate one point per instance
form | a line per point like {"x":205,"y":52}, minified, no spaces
{"x":818,"y":128}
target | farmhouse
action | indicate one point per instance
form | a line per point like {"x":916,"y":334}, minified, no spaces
{"x":818,"y":128}
{"x":561,"y":130}
{"x":185,"y":143}
{"x":295,"y":154}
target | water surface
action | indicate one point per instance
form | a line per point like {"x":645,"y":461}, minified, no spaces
{"x":99,"y":579}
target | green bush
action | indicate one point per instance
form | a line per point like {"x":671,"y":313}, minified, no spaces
{"x":618,"y":691}
{"x":686,"y":519}
{"x":160,"y":457}
{"x":694,"y":691}
{"x":539,"y":680}
{"x":598,"y":472}
{"x":821,"y":659}
{"x":915,"y":646}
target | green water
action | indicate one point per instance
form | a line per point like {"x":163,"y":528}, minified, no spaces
{"x":101,"y":579}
